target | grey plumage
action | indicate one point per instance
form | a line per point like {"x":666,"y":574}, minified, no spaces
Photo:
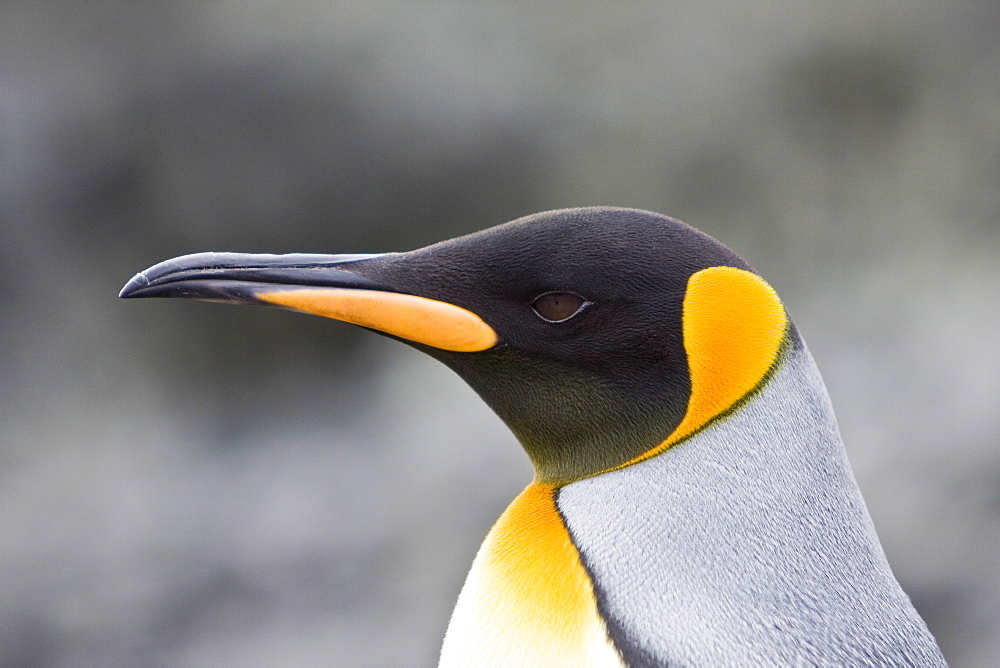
{"x":748,"y":544}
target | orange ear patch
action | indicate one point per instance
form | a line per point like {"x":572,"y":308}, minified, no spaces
{"x":733,"y":326}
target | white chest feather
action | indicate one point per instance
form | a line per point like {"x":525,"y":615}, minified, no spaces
{"x":528,"y":601}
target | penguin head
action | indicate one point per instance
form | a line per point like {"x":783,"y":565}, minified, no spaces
{"x":601,"y":336}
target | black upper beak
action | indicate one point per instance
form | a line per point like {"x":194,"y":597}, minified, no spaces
{"x":326,"y":285}
{"x":237,"y":276}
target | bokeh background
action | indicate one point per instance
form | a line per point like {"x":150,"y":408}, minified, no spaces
{"x":185,"y":484}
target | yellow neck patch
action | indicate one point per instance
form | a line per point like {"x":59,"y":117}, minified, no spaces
{"x":734,"y":325}
{"x":528,"y":600}
{"x":418,"y":319}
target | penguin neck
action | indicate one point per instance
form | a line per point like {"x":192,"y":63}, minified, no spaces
{"x":758,"y":512}
{"x":570,"y":422}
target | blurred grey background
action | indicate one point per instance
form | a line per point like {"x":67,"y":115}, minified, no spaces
{"x":186,"y":484}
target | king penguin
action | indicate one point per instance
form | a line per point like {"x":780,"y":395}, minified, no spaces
{"x":692,"y":503}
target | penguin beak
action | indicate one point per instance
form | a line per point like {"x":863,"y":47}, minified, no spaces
{"x":319,"y":284}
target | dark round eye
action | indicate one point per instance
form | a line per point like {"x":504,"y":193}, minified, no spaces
{"x":558,"y":306}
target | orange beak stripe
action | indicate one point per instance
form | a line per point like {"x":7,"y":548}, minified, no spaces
{"x":418,"y":319}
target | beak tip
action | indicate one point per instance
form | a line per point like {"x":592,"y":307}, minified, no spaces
{"x":138,"y":282}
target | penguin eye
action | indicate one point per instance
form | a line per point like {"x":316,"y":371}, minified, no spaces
{"x":558,"y":306}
